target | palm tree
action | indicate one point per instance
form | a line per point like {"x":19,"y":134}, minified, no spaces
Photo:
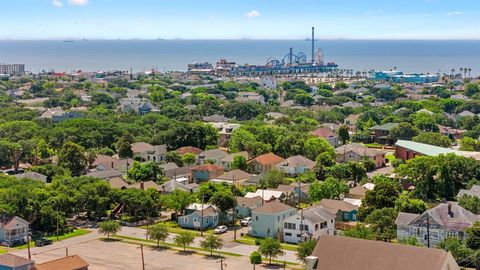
{"x":158,"y":232}
{"x":453,"y":71}
{"x":212,"y":242}
{"x":469,"y":72}
{"x":109,"y":227}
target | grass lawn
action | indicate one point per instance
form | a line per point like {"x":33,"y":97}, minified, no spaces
{"x":171,"y":245}
{"x":374,"y":145}
{"x":75,"y":233}
{"x":390,"y":157}
{"x":248,"y":240}
{"x":173,"y":227}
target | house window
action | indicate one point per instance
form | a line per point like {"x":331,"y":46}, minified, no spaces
{"x":299,"y":235}
{"x":288,"y":234}
{"x":268,"y":231}
{"x":278,"y":218}
{"x":316,"y":227}
{"x":256,"y":218}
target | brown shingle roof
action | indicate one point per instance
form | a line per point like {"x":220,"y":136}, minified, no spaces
{"x":140,"y":147}
{"x":268,"y":159}
{"x":189,"y":149}
{"x":207,"y":167}
{"x":335,"y":205}
{"x":324,"y":132}
{"x":74,"y":262}
{"x":273,"y":208}
{"x":11,"y":260}
{"x":342,"y":253}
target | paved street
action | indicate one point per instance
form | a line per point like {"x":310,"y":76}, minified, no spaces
{"x":107,"y":255}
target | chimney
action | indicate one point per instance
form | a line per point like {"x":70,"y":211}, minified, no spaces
{"x":142,"y":186}
{"x":311,"y":262}
{"x":450,"y":213}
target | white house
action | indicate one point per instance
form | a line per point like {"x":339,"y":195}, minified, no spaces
{"x":13,"y":229}
{"x":313,"y":223}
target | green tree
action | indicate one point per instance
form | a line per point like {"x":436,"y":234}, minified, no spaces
{"x":357,"y":170}
{"x":383,"y":195}
{"x":322,"y":162}
{"x":188,"y":159}
{"x":382,"y":222}
{"x":460,"y":252}
{"x":360,"y":231}
{"x":158,"y":232}
{"x":255,"y":258}
{"x":184,"y":239}
{"x":212,"y":242}
{"x":315,"y":146}
{"x":178,"y":200}
{"x":109,"y":227}
{"x":239,"y":162}
{"x":469,"y":144}
{"x":411,"y":241}
{"x":410,"y":205}
{"x":305,"y":249}
{"x":145,"y":172}
{"x":72,"y":157}
{"x":471,"y":203}
{"x":425,"y":122}
{"x":174,"y":157}
{"x":270,"y":248}
{"x":473,"y":236}
{"x":433,"y":138}
{"x":331,"y":188}
{"x":404,"y":131}
{"x":124,"y":149}
{"x":272,"y":179}
{"x":343,"y":134}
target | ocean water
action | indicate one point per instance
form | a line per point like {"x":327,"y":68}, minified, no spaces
{"x":427,"y":56}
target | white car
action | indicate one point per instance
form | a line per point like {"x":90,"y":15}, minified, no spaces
{"x":220,"y":229}
{"x":246,"y":222}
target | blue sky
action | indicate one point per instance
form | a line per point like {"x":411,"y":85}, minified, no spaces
{"x":233,"y":19}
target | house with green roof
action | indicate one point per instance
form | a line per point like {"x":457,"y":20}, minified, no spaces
{"x":406,"y":150}
{"x":381,"y":132}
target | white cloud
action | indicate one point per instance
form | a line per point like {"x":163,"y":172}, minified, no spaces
{"x":456,"y":13}
{"x":252,"y":14}
{"x":57,"y":3}
{"x":78,"y":2}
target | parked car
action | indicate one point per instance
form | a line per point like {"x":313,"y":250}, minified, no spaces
{"x":220,"y":229}
{"x":43,"y":242}
{"x":246,"y":222}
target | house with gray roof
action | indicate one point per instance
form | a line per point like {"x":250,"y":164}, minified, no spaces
{"x":214,"y":155}
{"x":381,"y":132}
{"x":58,"y":114}
{"x":443,"y":221}
{"x":138,"y":105}
{"x":250,"y":97}
{"x":227,"y":161}
{"x":267,"y":220}
{"x":312,"y":223}
{"x":106,"y":174}
{"x":10,"y":261}
{"x":359,"y":152}
{"x":13,"y":229}
{"x":474,"y":191}
{"x":215,"y":118}
{"x":148,"y":152}
{"x":295,"y":165}
{"x":172,"y":185}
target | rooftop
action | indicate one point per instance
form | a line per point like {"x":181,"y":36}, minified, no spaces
{"x":424,"y":149}
{"x":273,"y":208}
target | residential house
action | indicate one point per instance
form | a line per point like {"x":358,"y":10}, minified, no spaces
{"x":466,"y":114}
{"x":406,"y":150}
{"x":245,"y":206}
{"x":146,"y":185}
{"x":267,"y":220}
{"x":250,"y":97}
{"x":59,"y":115}
{"x":10,"y":261}
{"x":310,"y":223}
{"x":73,"y":262}
{"x":172,"y":185}
{"x":328,"y":134}
{"x":295,"y":165}
{"x":453,"y":133}
{"x":13,"y":229}
{"x":225,"y":131}
{"x":343,"y":210}
{"x":199,"y":217}
{"x":103,"y":163}
{"x":117,"y":183}
{"x":227,"y":161}
{"x":264,"y":163}
{"x":474,"y":191}
{"x":215,"y":118}
{"x":381,"y":132}
{"x":182,"y":174}
{"x":358,"y":152}
{"x":288,"y":192}
{"x":189,"y":149}
{"x":32,"y":175}
{"x":148,"y":152}
{"x":214,"y":156}
{"x":345,"y":253}
{"x":304,"y":189}
{"x":352,"y":104}
{"x":351,"y":121}
{"x":206,"y":172}
{"x":443,"y":221}
{"x":267,"y":195}
{"x":233,"y":177}
{"x":107,"y":174}
{"x":359,"y":192}
{"x":138,"y":105}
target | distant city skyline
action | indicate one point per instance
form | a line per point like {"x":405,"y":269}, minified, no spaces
{"x":239,"y":19}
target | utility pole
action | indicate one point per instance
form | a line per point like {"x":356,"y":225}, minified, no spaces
{"x":57,"y":223}
{"x":428,"y":232}
{"x":234,"y":210}
{"x":201,"y":225}
{"x":66,"y":251}
{"x":28,"y":246}
{"x":143,"y":259}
